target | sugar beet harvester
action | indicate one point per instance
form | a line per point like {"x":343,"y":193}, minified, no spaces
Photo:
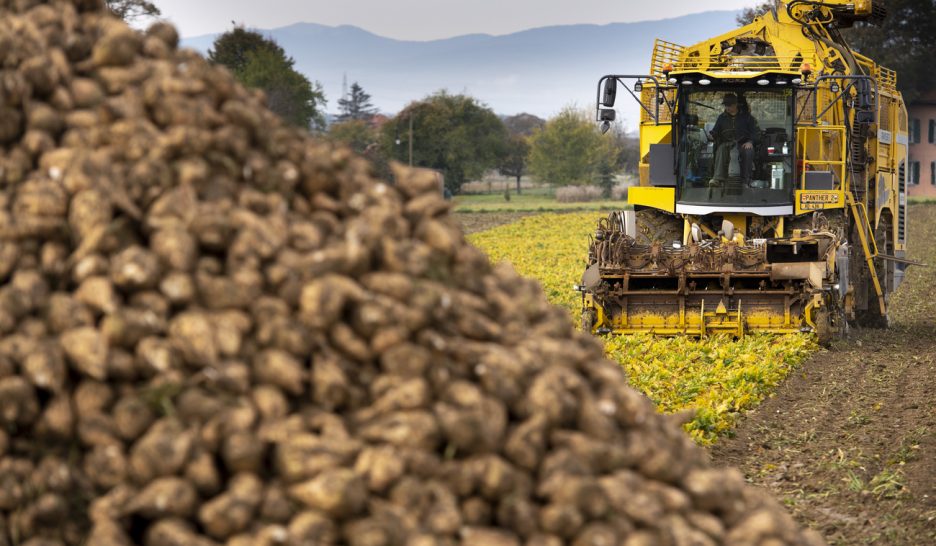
{"x":772,"y":191}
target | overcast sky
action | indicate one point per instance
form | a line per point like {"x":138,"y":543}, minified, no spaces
{"x":425,"y":19}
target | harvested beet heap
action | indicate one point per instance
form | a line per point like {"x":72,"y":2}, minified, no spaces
{"x":216,"y":330}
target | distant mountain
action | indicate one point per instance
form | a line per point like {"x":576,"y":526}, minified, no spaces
{"x":537,"y":71}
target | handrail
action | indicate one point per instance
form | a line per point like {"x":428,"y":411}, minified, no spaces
{"x":664,"y":53}
{"x":739,"y":63}
{"x":804,"y":141}
{"x":867,"y":220}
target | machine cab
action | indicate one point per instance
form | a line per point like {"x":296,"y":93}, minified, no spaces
{"x":734,"y":149}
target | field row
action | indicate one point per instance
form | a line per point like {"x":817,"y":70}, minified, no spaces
{"x":718,"y":378}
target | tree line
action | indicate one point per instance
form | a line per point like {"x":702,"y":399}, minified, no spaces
{"x":463,"y":138}
{"x":453,"y":133}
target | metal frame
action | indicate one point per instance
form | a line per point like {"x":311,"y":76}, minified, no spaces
{"x":618,"y":80}
{"x":858,"y":209}
{"x":801,"y":172}
{"x":813,"y":89}
{"x":678,"y":143}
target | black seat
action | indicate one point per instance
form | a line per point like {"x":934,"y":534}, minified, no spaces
{"x":775,"y":137}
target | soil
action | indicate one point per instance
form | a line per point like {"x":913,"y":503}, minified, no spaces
{"x":848,"y":442}
{"x":472,"y":222}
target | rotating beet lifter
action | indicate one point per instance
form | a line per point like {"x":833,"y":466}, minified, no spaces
{"x":772,"y":190}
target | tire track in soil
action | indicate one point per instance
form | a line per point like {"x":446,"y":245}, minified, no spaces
{"x":848,"y":442}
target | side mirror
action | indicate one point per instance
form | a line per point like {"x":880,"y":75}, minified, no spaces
{"x":606,"y":116}
{"x":610,"y":92}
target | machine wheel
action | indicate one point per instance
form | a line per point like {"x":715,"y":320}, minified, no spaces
{"x":872,"y":316}
{"x":654,"y":225}
{"x":824,"y":329}
{"x":589,"y":318}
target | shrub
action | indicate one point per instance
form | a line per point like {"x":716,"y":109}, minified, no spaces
{"x":619,"y":193}
{"x":578,"y":194}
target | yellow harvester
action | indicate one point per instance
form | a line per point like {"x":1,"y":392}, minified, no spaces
{"x":804,"y":228}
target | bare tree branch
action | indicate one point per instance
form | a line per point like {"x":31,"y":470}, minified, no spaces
{"x":132,"y":10}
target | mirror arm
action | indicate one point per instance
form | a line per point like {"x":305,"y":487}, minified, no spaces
{"x":646,"y":78}
{"x":656,"y":116}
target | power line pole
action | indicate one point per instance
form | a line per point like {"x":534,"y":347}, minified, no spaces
{"x":411,"y":139}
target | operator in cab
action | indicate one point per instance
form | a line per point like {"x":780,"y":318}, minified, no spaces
{"x":735,"y":127}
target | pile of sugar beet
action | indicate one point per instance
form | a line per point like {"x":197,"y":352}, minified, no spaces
{"x":216,"y":330}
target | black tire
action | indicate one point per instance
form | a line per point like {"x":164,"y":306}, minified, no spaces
{"x":589,"y":318}
{"x":824,"y":329}
{"x":654,"y":225}
{"x":872,"y":316}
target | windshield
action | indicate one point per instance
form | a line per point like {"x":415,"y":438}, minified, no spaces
{"x":736,"y":147}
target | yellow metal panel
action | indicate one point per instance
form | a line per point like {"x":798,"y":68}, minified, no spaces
{"x":644,"y":172}
{"x":739,"y":221}
{"x":653,"y":134}
{"x":658,"y":198}
{"x":704,"y":322}
{"x":810,"y":200}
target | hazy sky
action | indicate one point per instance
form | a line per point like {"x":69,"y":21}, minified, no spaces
{"x":425,"y":19}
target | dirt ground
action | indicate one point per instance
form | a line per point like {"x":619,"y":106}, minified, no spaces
{"x":848,"y":442}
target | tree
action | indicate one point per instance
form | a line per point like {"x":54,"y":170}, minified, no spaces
{"x":289,"y":94}
{"x":570,"y":150}
{"x":514,"y":161}
{"x":356,"y":105}
{"x":517,"y":148}
{"x":455,"y":134}
{"x":904,"y":41}
{"x":747,"y":15}
{"x":355,"y":133}
{"x":362,"y":137}
{"x":261,"y":63}
{"x":132,"y":10}
{"x":523,"y":124}
{"x":628,"y":147}
{"x":232,"y":48}
{"x":606,"y":178}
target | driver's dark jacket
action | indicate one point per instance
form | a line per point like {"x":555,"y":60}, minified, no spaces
{"x":740,"y":128}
